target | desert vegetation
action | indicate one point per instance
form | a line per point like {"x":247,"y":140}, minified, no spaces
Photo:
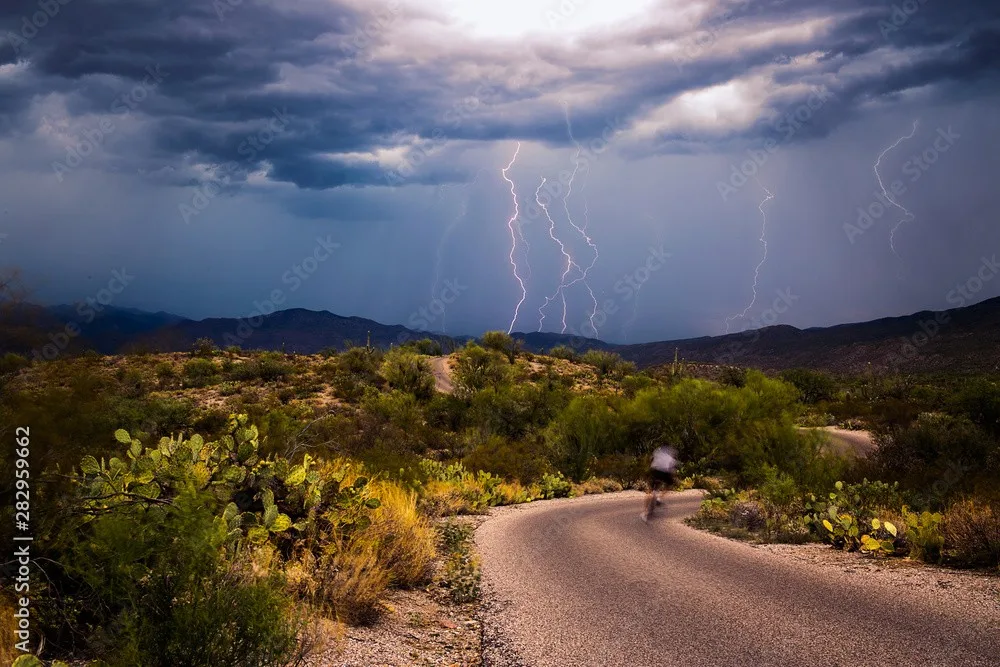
{"x":257,"y":495}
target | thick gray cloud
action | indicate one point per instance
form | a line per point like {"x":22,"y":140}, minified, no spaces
{"x":252,"y":126}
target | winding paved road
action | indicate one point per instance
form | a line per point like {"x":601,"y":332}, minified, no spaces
{"x":585,"y":582}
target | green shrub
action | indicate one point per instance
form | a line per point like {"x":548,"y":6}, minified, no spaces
{"x":849,"y":521}
{"x":477,"y":368}
{"x":924,"y":453}
{"x":554,"y":486}
{"x":204,"y":347}
{"x":608,"y":365}
{"x":354,"y":370}
{"x":586,"y":429}
{"x":520,"y":460}
{"x":408,"y":372}
{"x":11,"y":363}
{"x":425,"y":346}
{"x":200,"y":373}
{"x":563,"y":352}
{"x":814,"y":386}
{"x":165,"y":373}
{"x":924,"y":536}
{"x":159,"y":591}
{"x":501,"y":342}
{"x":267,"y":368}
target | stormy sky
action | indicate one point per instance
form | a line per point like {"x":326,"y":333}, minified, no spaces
{"x":358,"y":156}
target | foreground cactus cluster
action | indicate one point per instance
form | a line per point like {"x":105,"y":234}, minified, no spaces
{"x":266,"y":497}
{"x":841,"y":522}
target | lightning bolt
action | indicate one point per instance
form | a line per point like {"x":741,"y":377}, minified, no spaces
{"x":756,"y":273}
{"x":513,"y":237}
{"x":569,"y":263}
{"x":582,"y":230}
{"x":885,"y":193}
{"x":449,"y":230}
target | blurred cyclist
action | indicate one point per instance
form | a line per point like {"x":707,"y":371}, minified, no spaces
{"x":661,"y":478}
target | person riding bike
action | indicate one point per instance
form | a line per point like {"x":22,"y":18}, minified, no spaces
{"x":661,"y":478}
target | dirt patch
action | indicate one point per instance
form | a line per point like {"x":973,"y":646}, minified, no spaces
{"x":442,"y":368}
{"x":420,"y":628}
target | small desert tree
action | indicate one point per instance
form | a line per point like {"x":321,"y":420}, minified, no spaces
{"x":608,"y":365}
{"x":409,"y":372}
{"x":478,"y":368}
{"x":503,"y":343}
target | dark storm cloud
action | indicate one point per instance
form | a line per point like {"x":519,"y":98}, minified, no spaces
{"x":228,"y":68}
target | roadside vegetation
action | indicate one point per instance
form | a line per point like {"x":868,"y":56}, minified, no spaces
{"x":930,"y":490}
{"x":240,"y":500}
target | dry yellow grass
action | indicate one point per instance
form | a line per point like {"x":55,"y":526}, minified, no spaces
{"x":404,"y":537}
{"x":7,"y":632}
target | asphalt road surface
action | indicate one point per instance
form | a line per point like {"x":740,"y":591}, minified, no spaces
{"x":586,"y":582}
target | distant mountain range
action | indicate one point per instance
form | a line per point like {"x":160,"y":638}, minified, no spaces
{"x":964,"y":339}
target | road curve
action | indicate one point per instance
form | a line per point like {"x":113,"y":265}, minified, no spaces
{"x":586,"y":582}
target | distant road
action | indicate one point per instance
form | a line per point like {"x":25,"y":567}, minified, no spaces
{"x":441,"y":368}
{"x":843,"y":440}
{"x":585,"y":582}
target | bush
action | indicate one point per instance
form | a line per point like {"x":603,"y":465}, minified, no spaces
{"x":595,"y":485}
{"x":11,"y":363}
{"x":501,"y":342}
{"x":461,"y":569}
{"x":563,"y":352}
{"x":850,"y":519}
{"x":512,"y":460}
{"x":353,"y":371}
{"x":477,"y":368}
{"x":160,"y":593}
{"x":200,"y":373}
{"x":748,"y":515}
{"x":554,"y":486}
{"x":267,"y":368}
{"x":972,"y":533}
{"x":425,"y":346}
{"x":923,"y":535}
{"x":165,"y":373}
{"x":408,"y":372}
{"x":814,"y":386}
{"x":204,"y":347}
{"x":583,"y":431}
{"x":927,"y":452}
{"x":608,"y":365}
